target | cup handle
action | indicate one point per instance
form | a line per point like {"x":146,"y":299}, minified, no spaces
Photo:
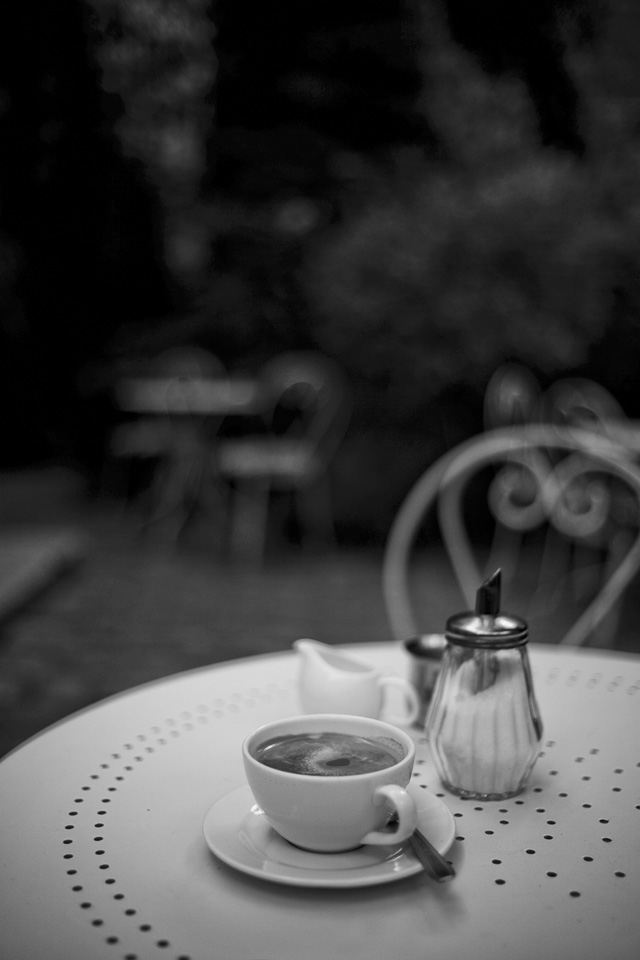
{"x":403,"y":804}
{"x":412,"y":699}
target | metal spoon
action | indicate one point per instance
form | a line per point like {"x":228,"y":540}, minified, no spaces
{"x":433,"y":862}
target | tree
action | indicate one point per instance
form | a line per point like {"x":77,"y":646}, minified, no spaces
{"x":504,"y":248}
{"x":157,"y":72}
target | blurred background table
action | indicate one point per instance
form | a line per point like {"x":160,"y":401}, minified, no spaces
{"x":204,"y":396}
{"x":177,"y":420}
{"x":103,"y":853}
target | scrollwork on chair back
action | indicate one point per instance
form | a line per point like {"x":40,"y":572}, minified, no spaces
{"x":534,"y":487}
{"x":582,"y":483}
{"x":516,"y":493}
{"x":582,"y":506}
{"x":530,"y":490}
{"x":577,"y":402}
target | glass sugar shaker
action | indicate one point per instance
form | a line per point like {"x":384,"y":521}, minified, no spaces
{"x":483,"y":724}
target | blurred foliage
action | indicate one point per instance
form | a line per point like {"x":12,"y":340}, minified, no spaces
{"x":438,"y":284}
{"x":423,"y":189}
{"x":157,"y":57}
{"x":158,"y":66}
{"x":502,"y":248}
{"x":495,"y":221}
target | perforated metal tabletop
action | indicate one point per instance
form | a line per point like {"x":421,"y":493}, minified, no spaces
{"x":102,"y":851}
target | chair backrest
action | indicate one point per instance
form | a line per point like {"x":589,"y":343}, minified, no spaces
{"x":313,"y":393}
{"x":559,"y":486}
{"x":579,"y":402}
{"x":511,"y":397}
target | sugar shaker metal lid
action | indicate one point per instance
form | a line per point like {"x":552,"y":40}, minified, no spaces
{"x":486,"y":626}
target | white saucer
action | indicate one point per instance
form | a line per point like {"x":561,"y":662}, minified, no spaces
{"x":237,"y":831}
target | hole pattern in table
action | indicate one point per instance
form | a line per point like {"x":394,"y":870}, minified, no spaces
{"x":555,"y":784}
{"x":582,"y":780}
{"x":614,"y":682}
{"x":93,"y":798}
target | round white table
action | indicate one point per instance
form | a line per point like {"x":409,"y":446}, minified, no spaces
{"x":103,"y":856}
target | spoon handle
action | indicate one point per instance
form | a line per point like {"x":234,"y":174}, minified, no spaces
{"x":433,"y":862}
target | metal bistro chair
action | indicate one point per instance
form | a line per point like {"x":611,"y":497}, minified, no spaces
{"x":307,"y":410}
{"x":175,"y":438}
{"x":535,"y":478}
{"x":582,"y":403}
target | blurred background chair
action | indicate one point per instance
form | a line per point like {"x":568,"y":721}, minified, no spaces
{"x":571,"y":482}
{"x":582,"y":403}
{"x":511,"y":397}
{"x":174,"y":442}
{"x":514,"y":396}
{"x":307,"y":409}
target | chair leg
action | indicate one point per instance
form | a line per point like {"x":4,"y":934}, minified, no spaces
{"x":114,"y":482}
{"x":249,"y":516}
{"x":168,"y":509}
{"x":315,"y":508}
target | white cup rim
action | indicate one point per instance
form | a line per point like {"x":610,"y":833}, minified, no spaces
{"x":333,"y":719}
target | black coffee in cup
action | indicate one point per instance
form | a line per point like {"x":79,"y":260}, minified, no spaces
{"x":328,"y":754}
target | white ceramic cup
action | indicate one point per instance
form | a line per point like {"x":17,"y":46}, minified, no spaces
{"x":329,"y":814}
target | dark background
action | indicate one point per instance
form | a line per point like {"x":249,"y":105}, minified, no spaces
{"x":422,"y":189}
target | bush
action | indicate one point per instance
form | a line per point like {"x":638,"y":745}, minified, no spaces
{"x":423,"y":292}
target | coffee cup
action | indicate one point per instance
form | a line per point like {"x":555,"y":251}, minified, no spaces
{"x":331,"y":782}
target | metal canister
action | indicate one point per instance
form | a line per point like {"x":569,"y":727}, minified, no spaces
{"x":425,"y":659}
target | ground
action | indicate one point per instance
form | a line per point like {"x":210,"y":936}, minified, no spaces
{"x":102,"y":608}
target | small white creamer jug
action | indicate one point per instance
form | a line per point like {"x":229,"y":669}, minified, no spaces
{"x":333,"y":681}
